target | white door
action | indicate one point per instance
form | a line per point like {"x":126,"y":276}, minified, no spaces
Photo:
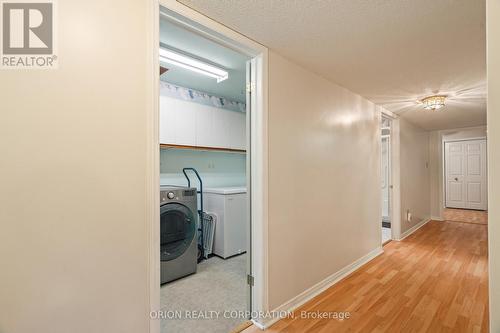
{"x":466,"y":181}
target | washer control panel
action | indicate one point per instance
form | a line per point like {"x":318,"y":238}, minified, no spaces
{"x":177,"y":194}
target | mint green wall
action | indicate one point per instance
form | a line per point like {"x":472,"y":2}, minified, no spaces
{"x":217,"y":169}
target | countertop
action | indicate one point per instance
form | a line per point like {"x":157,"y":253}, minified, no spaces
{"x":225,"y":190}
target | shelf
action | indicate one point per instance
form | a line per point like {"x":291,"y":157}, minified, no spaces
{"x":229,"y":150}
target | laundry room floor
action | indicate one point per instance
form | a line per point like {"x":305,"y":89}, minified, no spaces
{"x":386,"y":234}
{"x":219,"y":285}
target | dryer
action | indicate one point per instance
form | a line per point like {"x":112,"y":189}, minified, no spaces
{"x":178,"y":232}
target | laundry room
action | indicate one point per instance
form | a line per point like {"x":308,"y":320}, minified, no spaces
{"x":204,"y":204}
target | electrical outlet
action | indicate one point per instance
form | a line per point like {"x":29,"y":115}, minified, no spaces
{"x":408,"y":215}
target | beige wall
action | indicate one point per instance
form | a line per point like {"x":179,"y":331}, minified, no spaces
{"x":436,"y":161}
{"x":414,"y":174}
{"x":73,"y":146}
{"x":324,"y":179}
{"x":493,"y":38}
{"x":435,"y":171}
{"x":73,"y":245}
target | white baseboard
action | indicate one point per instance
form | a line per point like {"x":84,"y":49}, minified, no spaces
{"x":413,"y":229}
{"x":437,"y":218}
{"x":259,"y":325}
{"x":318,"y":288}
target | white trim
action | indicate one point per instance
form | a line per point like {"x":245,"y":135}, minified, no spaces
{"x":259,"y":325}
{"x":259,"y":187}
{"x":466,"y":139}
{"x":413,"y":229}
{"x":396,"y":180}
{"x":441,"y":161}
{"x":442,"y":183}
{"x":152,"y":195}
{"x":389,"y":114}
{"x":444,"y":141}
{"x":394,"y":174}
{"x":437,"y":218}
{"x":320,"y":287}
{"x":259,"y":158}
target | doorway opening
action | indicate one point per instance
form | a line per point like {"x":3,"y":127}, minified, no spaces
{"x":465,"y":180}
{"x":465,"y":174}
{"x":210,"y":250}
{"x":386,"y":186}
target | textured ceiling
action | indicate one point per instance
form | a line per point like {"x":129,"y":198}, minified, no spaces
{"x":393,"y":52}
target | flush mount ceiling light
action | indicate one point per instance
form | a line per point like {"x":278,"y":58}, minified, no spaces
{"x":434,"y":102}
{"x":195,"y":65}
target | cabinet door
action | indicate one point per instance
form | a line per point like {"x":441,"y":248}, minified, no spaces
{"x":167,"y":121}
{"x":240,"y":137}
{"x":204,"y":126}
{"x":185,"y":127}
{"x":186,"y":123}
{"x":177,"y":122}
{"x":236,"y":130}
{"x":221,"y":128}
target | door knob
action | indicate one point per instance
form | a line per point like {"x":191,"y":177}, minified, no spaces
{"x":456,"y":179}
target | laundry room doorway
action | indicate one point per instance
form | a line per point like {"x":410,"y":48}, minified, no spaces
{"x":390,"y":203}
{"x":386,"y":176}
{"x":208,"y":250}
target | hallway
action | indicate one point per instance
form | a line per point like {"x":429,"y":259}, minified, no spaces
{"x":436,"y":280}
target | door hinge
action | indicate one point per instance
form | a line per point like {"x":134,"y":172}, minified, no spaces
{"x":250,"y":88}
{"x":250,"y":280}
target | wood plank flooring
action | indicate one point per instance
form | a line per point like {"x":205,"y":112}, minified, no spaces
{"x":465,"y":215}
{"x":436,"y":280}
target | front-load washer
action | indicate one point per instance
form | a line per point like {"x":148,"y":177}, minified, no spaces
{"x":178,"y":232}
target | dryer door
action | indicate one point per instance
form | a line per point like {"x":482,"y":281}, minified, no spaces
{"x":177,"y":230}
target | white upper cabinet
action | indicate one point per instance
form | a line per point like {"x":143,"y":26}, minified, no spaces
{"x":167,"y":121}
{"x":236,"y":129}
{"x":177,"y":122}
{"x":193,"y":124}
{"x":205,"y":126}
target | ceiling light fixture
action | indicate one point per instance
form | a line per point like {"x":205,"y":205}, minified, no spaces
{"x":195,"y":65}
{"x":434,"y":102}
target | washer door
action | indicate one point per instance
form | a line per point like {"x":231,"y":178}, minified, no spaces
{"x":177,"y":230}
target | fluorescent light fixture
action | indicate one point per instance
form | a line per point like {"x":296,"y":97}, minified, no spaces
{"x":181,"y":60}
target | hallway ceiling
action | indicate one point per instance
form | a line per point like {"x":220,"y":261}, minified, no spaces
{"x":393,"y":52}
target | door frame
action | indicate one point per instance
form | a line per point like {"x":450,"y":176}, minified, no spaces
{"x":389,"y":173}
{"x":443,"y":163}
{"x":258,"y":145}
{"x":394,"y":175}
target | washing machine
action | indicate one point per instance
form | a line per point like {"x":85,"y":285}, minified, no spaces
{"x":178,"y":232}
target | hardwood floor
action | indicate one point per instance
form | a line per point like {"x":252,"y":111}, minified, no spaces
{"x":465,"y":215}
{"x":436,"y":280}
